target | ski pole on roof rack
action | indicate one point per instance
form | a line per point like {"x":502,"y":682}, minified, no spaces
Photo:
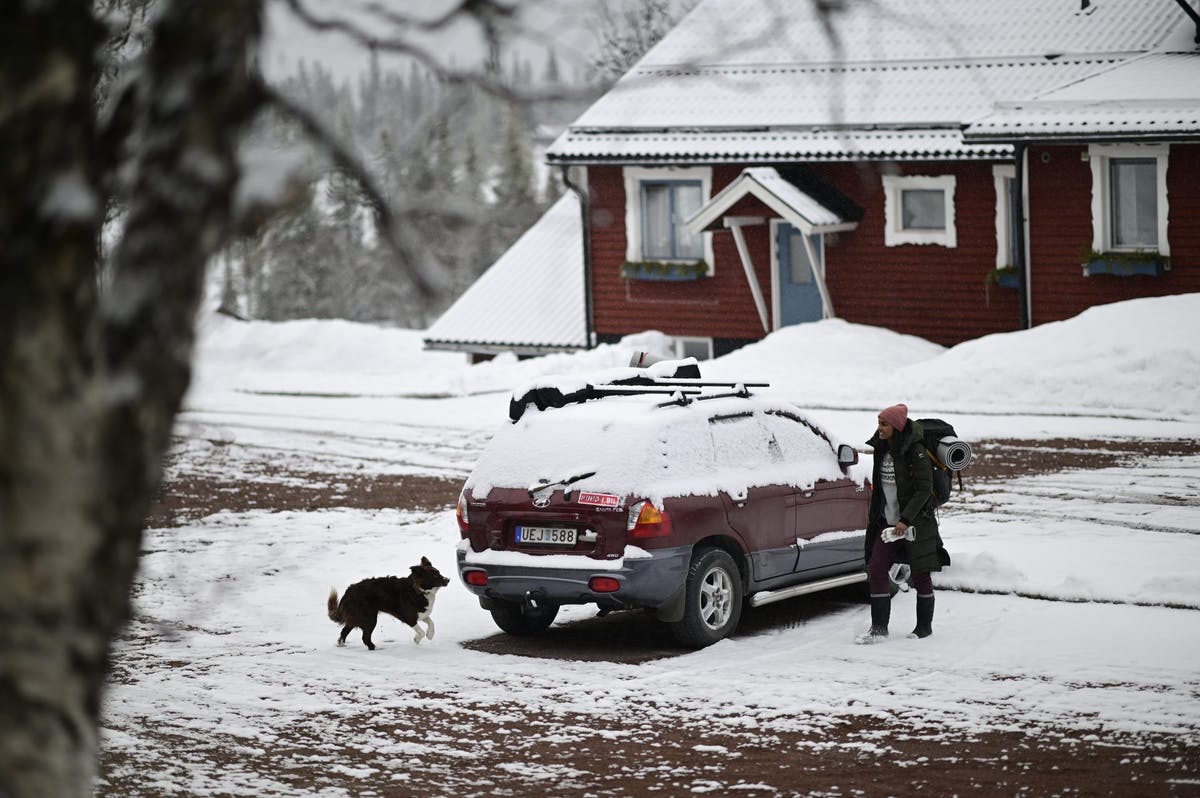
{"x":688,"y":382}
{"x":681,"y":399}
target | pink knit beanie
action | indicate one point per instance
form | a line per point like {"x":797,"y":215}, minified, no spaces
{"x":896,"y":415}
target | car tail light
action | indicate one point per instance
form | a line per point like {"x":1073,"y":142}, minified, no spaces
{"x":647,"y":521}
{"x":460,"y":513}
{"x":603,"y":584}
{"x":475,"y":578}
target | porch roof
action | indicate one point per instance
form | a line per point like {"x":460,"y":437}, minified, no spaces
{"x":789,"y":201}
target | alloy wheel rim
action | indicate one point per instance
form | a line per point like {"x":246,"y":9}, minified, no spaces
{"x":716,"y":598}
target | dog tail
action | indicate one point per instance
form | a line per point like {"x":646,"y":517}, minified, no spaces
{"x":335,"y":613}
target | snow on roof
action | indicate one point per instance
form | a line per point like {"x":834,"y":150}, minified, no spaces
{"x":788,"y":200}
{"x":764,"y":79}
{"x":1158,"y":93}
{"x":530,"y":300}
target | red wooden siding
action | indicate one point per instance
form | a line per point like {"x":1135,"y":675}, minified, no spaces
{"x":1060,"y":233}
{"x":935,"y":292}
{"x":720,"y":306}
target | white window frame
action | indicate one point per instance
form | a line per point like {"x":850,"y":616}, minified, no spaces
{"x":680,"y":340}
{"x":634,"y":176}
{"x":1099,"y":156}
{"x":894,"y":234}
{"x":1002,"y":176}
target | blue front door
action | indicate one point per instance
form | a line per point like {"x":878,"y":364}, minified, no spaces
{"x":799,"y":297}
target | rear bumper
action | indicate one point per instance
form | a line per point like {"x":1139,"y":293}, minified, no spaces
{"x":652,"y":580}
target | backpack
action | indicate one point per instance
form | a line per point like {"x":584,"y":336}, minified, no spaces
{"x":949,"y":455}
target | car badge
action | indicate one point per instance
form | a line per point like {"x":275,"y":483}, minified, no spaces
{"x":541,"y":501}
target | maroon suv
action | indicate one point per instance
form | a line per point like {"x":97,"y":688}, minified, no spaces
{"x":673,"y":495}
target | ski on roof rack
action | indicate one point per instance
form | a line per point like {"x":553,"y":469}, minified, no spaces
{"x":679,"y":389}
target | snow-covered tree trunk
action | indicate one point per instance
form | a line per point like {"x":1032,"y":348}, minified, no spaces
{"x":90,"y":384}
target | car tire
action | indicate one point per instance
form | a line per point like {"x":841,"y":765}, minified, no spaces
{"x":513,"y":619}
{"x":712,"y":603}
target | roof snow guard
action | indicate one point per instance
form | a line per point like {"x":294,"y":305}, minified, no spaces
{"x":780,"y":146}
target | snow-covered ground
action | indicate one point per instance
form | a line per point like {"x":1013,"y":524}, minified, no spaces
{"x":1073,"y":603}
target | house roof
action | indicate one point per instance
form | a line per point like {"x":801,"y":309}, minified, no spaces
{"x":1155,"y":95}
{"x":793,"y":205}
{"x":530,"y":301}
{"x":766,"y":80}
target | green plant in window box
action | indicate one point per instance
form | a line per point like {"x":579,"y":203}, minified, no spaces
{"x":1125,"y":264}
{"x":1003,"y":276}
{"x":664,"y":270}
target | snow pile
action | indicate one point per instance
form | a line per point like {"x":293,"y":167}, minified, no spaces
{"x":1134,"y":358}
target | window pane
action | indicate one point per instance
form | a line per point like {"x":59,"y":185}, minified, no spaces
{"x":656,"y":217}
{"x":687,"y":202}
{"x":1134,"y":202}
{"x":799,"y":268}
{"x":923,"y":209}
{"x":699,"y":348}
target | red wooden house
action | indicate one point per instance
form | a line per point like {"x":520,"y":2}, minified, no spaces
{"x":946,"y":170}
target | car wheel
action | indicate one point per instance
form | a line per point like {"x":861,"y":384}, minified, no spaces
{"x":510,"y":617}
{"x":713,"y":600}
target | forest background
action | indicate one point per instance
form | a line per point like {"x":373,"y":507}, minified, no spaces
{"x":472,"y":155}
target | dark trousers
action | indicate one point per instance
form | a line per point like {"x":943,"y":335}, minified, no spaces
{"x":883,"y":557}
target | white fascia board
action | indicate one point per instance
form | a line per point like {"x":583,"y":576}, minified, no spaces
{"x":747,"y":183}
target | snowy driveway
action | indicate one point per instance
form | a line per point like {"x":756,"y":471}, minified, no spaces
{"x":229,"y":683}
{"x":1067,"y":636}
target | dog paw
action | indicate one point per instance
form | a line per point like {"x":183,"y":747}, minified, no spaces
{"x":341,"y":644}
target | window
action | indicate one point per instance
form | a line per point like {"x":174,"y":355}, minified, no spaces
{"x":919,"y":210}
{"x":658,"y":203}
{"x":1006,"y":231}
{"x":665,"y":208}
{"x":699,"y":348}
{"x":1129,"y":198}
{"x":1134,"y":216}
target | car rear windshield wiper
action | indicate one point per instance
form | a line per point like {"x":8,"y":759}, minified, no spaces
{"x":545,"y":484}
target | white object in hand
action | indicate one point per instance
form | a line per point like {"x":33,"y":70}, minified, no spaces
{"x":890,"y":534}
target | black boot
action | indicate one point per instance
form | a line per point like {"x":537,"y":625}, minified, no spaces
{"x":881,"y":613}
{"x":924,"y":626}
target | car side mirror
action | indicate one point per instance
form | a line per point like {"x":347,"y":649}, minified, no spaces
{"x":847,"y":455}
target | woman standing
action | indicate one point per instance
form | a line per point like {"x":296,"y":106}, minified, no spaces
{"x":902,"y":500}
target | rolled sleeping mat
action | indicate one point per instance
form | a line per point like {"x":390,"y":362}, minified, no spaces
{"x":954,"y":453}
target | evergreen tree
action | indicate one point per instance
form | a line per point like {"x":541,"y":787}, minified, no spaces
{"x":551,"y":76}
{"x":513,"y":184}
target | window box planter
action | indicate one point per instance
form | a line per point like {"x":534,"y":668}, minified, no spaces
{"x":1005,"y":277}
{"x":1122,"y":264}
{"x":664,"y":270}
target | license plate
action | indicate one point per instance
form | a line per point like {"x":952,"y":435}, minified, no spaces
{"x":545,"y":535}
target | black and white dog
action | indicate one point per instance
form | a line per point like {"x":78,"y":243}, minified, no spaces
{"x":409,"y":598}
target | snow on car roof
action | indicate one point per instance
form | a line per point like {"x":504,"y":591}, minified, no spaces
{"x":632,"y":446}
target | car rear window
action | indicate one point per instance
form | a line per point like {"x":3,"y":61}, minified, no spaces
{"x":638,"y":449}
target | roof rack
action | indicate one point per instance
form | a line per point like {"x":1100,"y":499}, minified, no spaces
{"x":682,"y":390}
